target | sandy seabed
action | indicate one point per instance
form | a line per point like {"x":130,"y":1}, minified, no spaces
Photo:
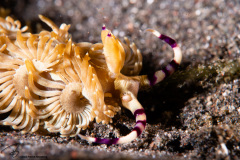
{"x":194,"y":114}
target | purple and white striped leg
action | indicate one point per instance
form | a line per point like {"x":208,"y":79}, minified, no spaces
{"x":158,"y":76}
{"x":136,"y":108}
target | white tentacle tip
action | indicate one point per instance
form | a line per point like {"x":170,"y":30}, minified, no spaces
{"x":156,"y":33}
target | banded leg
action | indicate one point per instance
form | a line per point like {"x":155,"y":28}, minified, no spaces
{"x":130,"y":102}
{"x":158,"y":76}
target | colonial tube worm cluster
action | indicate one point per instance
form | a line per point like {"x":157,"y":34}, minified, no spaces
{"x":48,"y":81}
